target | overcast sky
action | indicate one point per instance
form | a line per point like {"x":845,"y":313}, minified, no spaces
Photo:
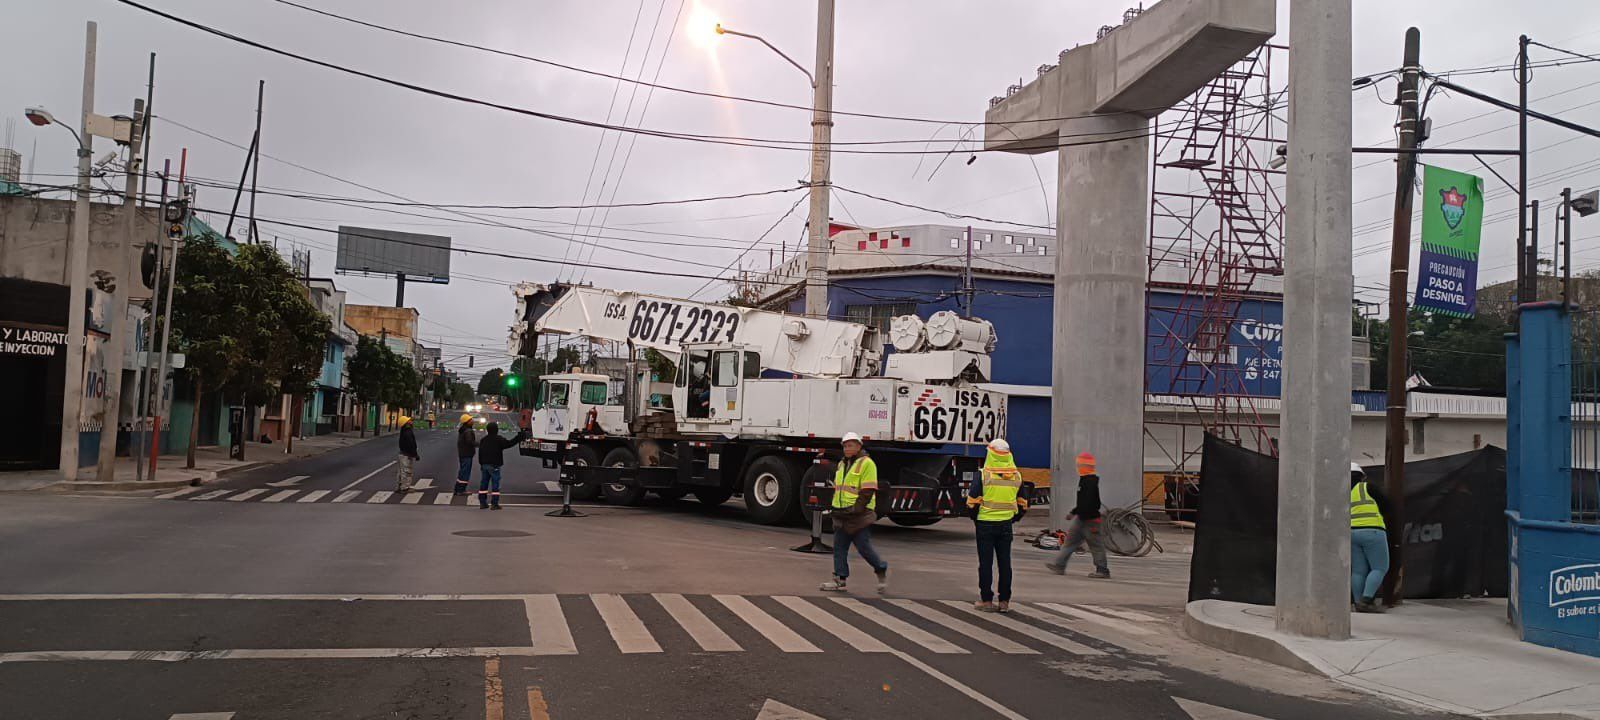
{"x":925,"y":58}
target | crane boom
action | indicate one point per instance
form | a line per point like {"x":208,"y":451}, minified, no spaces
{"x":812,"y":347}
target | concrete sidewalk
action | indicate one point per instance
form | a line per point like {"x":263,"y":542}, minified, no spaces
{"x":1458,"y":656}
{"x":210,"y":463}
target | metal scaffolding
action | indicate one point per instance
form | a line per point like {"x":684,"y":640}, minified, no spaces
{"x":1216,"y":259}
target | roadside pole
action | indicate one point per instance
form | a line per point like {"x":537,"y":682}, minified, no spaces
{"x":78,"y":275}
{"x":818,"y":241}
{"x":166,"y":327}
{"x":1394,"y":456}
{"x":126,"y":269}
{"x":150,"y":434}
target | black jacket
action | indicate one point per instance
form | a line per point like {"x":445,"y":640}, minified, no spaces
{"x":1088,"y":506}
{"x":466,"y":441}
{"x":408,"y":443}
{"x":492,"y":448}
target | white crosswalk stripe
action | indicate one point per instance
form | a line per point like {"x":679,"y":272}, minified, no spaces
{"x":246,"y":495}
{"x":280,"y":496}
{"x":1133,"y":615}
{"x":1023,"y":628}
{"x":627,"y":631}
{"x":850,"y":634}
{"x":380,"y":496}
{"x":442,"y":498}
{"x":1097,"y":618}
{"x":1124,"y":643}
{"x":346,"y":496}
{"x":203,"y":716}
{"x":411,"y":498}
{"x":705,"y":633}
{"x":1003,"y":644}
{"x":548,"y":626}
{"x":787,"y":640}
{"x":178,"y":493}
{"x":214,"y":494}
{"x":902,"y":628}
{"x":314,"y":496}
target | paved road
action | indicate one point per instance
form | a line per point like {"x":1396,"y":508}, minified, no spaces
{"x":160,"y":608}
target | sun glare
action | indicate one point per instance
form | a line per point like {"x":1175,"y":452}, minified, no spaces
{"x":702,"y":27}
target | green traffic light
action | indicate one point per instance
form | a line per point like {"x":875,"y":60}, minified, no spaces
{"x":512,"y":381}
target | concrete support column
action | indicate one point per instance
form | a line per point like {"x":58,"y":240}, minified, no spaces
{"x":1313,"y":569}
{"x":1098,"y":347}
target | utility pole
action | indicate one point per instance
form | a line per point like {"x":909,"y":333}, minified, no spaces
{"x":1525,"y":293}
{"x":78,"y":274}
{"x":166,"y":324}
{"x":255,"y":157}
{"x":966,"y":272}
{"x":127,"y":270}
{"x":818,"y":242}
{"x":1394,"y":456}
{"x":150,"y":434}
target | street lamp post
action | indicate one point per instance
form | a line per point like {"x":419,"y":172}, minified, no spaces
{"x":821,"y":161}
{"x":77,"y":270}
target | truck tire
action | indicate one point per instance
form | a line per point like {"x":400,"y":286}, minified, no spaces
{"x":771,"y":490}
{"x":712,"y":496}
{"x":585,"y":456}
{"x":616,"y":494}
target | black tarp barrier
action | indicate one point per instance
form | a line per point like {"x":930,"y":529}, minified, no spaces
{"x":1455,"y":535}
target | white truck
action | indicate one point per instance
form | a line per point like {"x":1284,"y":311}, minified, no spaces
{"x":758,"y":404}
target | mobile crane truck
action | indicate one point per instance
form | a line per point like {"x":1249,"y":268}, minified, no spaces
{"x":759,"y":402}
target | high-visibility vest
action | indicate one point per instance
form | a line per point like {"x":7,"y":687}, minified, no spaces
{"x":863,"y":475}
{"x":1001,"y":481}
{"x":1363,"y":510}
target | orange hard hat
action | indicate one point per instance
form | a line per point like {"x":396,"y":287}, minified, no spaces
{"x":1085,"y":463}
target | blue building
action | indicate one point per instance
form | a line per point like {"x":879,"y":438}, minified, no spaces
{"x":878,"y":274}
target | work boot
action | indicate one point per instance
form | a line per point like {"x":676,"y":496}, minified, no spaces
{"x":1369,"y":606}
{"x":983,"y":606}
{"x":495,"y":506}
{"x":1003,"y":607}
{"x":1057,"y":569}
{"x":834,"y":585}
{"x":883,"y":581}
{"x":1098,"y":574}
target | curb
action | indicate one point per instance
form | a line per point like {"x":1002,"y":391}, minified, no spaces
{"x":126,"y":485}
{"x":1240,"y":642}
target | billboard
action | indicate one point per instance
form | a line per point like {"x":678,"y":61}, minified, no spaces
{"x":1252,"y":365}
{"x":368,"y":251}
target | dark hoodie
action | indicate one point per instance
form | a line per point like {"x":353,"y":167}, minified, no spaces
{"x":1088,"y":507}
{"x":466,"y":440}
{"x":492,"y":448}
{"x":408,"y":442}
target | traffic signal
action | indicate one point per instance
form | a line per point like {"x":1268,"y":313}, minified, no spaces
{"x":512,"y":381}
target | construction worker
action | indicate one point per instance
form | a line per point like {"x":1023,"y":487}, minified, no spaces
{"x":854,"y":509}
{"x":996,"y":504}
{"x":466,"y":447}
{"x":491,"y":457}
{"x":1369,"y":541}
{"x":408,"y":456}
{"x":1085,"y":526}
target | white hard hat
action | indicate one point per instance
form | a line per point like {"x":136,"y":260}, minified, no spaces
{"x":849,"y":437}
{"x":1355,"y":468}
{"x":1000,"y":445}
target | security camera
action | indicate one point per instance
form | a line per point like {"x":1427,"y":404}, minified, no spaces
{"x":1587,"y":203}
{"x":106,"y":159}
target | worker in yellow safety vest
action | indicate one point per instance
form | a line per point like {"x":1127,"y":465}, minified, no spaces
{"x":996,"y":501}
{"x":854,"y":509}
{"x":1369,"y":541}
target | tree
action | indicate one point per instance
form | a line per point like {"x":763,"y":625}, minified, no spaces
{"x":205,"y":304}
{"x":402,"y":386}
{"x":1467,"y":353}
{"x":366,"y":369}
{"x":492,"y":382}
{"x":460,"y":394}
{"x":293,"y":332}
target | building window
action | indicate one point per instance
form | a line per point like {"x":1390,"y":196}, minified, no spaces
{"x":861,"y":245}
{"x":1041,"y":250}
{"x":977,"y":245}
{"x":905,"y":242}
{"x":1010,"y":240}
{"x":878,"y":315}
{"x":1030,"y":242}
{"x":955,"y":242}
{"x":883,"y":243}
{"x":988,"y":237}
{"x":1020,"y":249}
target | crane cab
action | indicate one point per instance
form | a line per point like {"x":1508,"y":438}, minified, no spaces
{"x":577,"y":402}
{"x":710,"y":387}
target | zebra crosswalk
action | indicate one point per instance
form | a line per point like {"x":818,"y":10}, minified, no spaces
{"x":299,"y":495}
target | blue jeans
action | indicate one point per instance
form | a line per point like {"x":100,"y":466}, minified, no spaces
{"x":1369,"y":562}
{"x":489,"y":487}
{"x":863,"y":543}
{"x":994,"y":547}
{"x":464,"y":474}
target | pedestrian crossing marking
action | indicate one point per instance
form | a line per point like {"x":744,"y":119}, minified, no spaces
{"x":443,"y":498}
{"x":246,"y":495}
{"x":1023,"y":628}
{"x":381,"y":496}
{"x":178,"y":493}
{"x":314,"y":496}
{"x":411,"y":498}
{"x":203,"y":716}
{"x":627,"y":631}
{"x":787,"y":640}
{"x":1003,"y":644}
{"x":280,"y":496}
{"x":1129,"y":645}
{"x":850,"y":634}
{"x":346,"y":496}
{"x":1133,"y":615}
{"x":423,"y":484}
{"x":1096,"y":618}
{"x":548,"y":626}
{"x":705,"y":633}
{"x":214,"y":494}
{"x":902,"y":628}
